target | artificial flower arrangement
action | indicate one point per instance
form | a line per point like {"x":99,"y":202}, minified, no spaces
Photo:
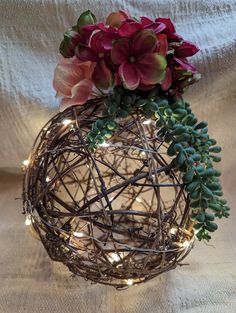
{"x":142,"y":64}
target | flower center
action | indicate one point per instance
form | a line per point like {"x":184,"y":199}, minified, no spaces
{"x":101,"y":55}
{"x":131,"y":59}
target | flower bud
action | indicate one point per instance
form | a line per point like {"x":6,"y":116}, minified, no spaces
{"x":86,"y":18}
{"x":71,"y":40}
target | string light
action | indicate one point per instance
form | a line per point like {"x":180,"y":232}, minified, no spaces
{"x":147,"y":122}
{"x":48,"y":179}
{"x":173,"y":231}
{"x":28,"y":221}
{"x":129,"y":282}
{"x":104,"y":144}
{"x":138,"y":199}
{"x":115,"y":257}
{"x":78,"y":234}
{"x":185,"y":244}
{"x":66,"y":122}
{"x":26,"y":163}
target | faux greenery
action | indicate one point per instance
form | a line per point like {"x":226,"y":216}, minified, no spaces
{"x":190,"y":145}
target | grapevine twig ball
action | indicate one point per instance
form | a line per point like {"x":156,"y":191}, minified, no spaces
{"x":121,"y":182}
{"x":117,"y":216}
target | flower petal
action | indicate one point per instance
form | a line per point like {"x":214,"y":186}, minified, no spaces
{"x":108,"y":40}
{"x":102,"y":76}
{"x":68,"y":73}
{"x":95,"y":41}
{"x":167,"y":22}
{"x":85,"y":53}
{"x":129,"y":75}
{"x":129,"y":28}
{"x":145,"y":21}
{"x":81,"y":93}
{"x":187,"y":49}
{"x":167,"y":81}
{"x":162,"y":44}
{"x":120,"y":51}
{"x":116,"y":18}
{"x":151,"y":67}
{"x":144,"y":42}
{"x":185,"y":65}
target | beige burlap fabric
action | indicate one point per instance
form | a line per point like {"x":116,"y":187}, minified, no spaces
{"x":30,"y":32}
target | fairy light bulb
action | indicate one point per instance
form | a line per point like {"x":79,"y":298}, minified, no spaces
{"x":28,"y":221}
{"x":138,"y":199}
{"x":129,"y":282}
{"x":185,"y":244}
{"x":26,"y":163}
{"x":115,"y":257}
{"x":66,"y":122}
{"x":147,"y":122}
{"x":78,"y":234}
{"x":104,"y":144}
{"x":173,"y":231}
{"x":47,"y":179}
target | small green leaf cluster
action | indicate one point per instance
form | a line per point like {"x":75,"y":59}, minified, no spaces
{"x":194,"y":153}
{"x":120,"y":103}
{"x":102,"y":130}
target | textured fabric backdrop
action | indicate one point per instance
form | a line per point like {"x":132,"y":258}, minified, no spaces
{"x":30,"y":32}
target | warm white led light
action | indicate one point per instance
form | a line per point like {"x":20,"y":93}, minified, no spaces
{"x":129,"y":282}
{"x":25,"y":163}
{"x":66,"y":122}
{"x":115,"y":257}
{"x":104,"y":144}
{"x":47,"y":179}
{"x":173,"y":231}
{"x":147,"y":122}
{"x":138,"y":199}
{"x":28,"y":220}
{"x":185,"y":244}
{"x":78,"y":234}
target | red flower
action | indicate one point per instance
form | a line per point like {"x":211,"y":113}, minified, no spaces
{"x":187,"y":49}
{"x":138,"y":61}
{"x":96,"y":52}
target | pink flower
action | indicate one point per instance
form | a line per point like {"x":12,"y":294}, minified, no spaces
{"x":116,"y":18}
{"x":72,"y":81}
{"x":138,"y":61}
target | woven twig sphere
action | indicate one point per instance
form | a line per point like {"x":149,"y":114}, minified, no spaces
{"x":118,"y":216}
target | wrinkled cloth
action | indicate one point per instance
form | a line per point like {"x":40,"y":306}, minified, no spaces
{"x":30,"y":33}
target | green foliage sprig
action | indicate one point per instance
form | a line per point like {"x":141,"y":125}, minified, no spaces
{"x":190,"y":145}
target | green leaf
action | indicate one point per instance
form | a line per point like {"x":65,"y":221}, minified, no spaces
{"x":200,"y":217}
{"x":192,"y":186}
{"x":201,"y":125}
{"x":188,"y":176}
{"x":178,"y":129}
{"x":195,"y":194}
{"x":179,"y":161}
{"x":141,"y":102}
{"x":207,"y":192}
{"x":211,"y":226}
{"x":216,"y":149}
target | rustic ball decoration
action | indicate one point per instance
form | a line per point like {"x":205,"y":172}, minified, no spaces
{"x":117,"y":216}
